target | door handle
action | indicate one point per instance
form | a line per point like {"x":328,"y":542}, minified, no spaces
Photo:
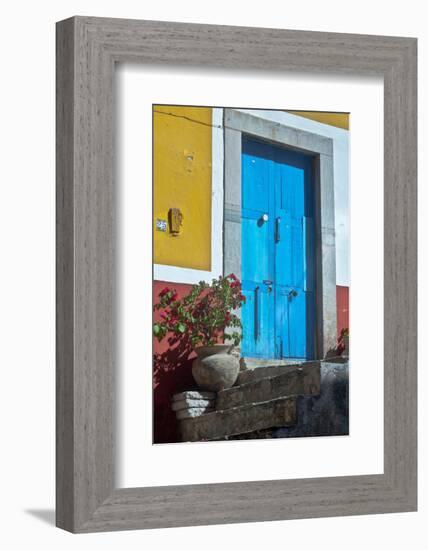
{"x":269,"y":284}
{"x":277,"y":230}
{"x":292,"y":294}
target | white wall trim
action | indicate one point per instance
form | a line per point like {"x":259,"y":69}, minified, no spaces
{"x":170,"y":273}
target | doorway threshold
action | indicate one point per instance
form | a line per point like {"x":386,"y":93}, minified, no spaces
{"x":255,"y":362}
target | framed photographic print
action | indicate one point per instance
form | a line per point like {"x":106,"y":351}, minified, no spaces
{"x":236,"y":274}
{"x":259,"y":325}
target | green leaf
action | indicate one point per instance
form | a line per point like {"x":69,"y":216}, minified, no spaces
{"x":181,"y":328}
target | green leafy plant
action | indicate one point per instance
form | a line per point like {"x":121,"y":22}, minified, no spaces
{"x":204,"y":314}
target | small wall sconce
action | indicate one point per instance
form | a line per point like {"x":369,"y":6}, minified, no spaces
{"x":175,"y":219}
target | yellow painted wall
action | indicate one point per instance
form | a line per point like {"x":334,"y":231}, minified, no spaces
{"x":341,"y":120}
{"x":182,"y":179}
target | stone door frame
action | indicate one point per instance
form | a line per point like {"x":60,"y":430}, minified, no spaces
{"x":268,"y":127}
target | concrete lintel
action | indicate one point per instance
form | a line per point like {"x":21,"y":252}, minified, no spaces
{"x":302,"y":140}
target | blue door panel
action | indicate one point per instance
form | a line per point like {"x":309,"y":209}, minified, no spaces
{"x":278,"y":251}
{"x":283,"y":250}
{"x":255,"y":243}
{"x":295,"y":277}
{"x":282,"y":340}
{"x":292,"y":202}
{"x":255,"y":194}
{"x":258,"y":325}
{"x":291,"y":262}
{"x":297,"y":322}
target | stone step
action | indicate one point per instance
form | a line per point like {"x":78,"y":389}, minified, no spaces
{"x":286,"y":382}
{"x":194,"y":394}
{"x":192,"y":404}
{"x":271,"y":370}
{"x":238,"y":420}
{"x":255,"y":362}
{"x":193,"y":412}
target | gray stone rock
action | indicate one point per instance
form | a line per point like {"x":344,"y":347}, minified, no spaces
{"x":248,"y":418}
{"x":194,"y":395}
{"x":192,"y":403}
{"x":193,"y":413}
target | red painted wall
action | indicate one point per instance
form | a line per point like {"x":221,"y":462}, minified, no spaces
{"x":172,"y":373}
{"x":342,"y":300}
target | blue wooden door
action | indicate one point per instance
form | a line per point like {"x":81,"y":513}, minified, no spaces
{"x":278,"y":252}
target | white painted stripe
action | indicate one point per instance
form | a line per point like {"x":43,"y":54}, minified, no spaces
{"x":173,"y":274}
{"x":217,"y":193}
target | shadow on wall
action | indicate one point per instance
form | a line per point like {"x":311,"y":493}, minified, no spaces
{"x":172,"y":373}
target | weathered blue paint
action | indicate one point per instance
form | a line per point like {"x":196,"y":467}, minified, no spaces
{"x":278,"y":252}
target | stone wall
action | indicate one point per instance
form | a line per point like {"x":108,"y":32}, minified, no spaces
{"x":310,"y":399}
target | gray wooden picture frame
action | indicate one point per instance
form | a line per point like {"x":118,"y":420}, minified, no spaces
{"x":87,"y":50}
